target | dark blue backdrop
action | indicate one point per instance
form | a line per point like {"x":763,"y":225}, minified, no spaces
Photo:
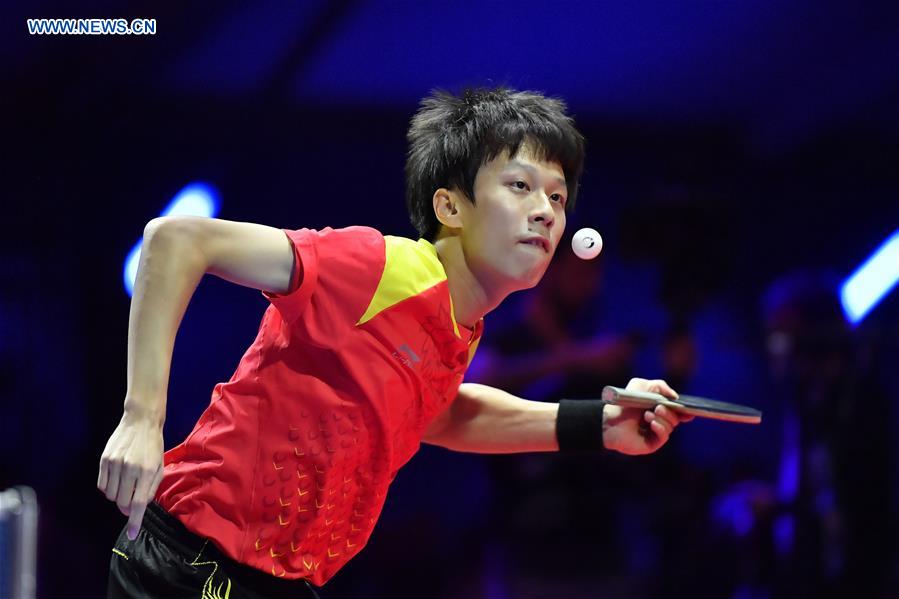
{"x":728,"y":144}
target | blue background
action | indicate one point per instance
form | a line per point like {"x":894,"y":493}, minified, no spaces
{"x":729,"y":143}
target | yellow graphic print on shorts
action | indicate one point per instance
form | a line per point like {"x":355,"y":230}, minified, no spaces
{"x":209,"y":590}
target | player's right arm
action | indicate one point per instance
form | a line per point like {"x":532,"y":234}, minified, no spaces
{"x":176,"y":253}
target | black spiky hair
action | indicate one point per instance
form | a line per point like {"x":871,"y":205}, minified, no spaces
{"x":451,"y":137}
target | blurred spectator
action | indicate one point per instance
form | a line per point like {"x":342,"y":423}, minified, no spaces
{"x":679,"y":356}
{"x":834,"y":536}
{"x":823,"y":528}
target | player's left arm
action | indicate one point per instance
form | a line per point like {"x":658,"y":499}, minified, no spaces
{"x":485,"y":419}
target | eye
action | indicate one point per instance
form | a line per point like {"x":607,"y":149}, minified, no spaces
{"x":557,"y":197}
{"x":520,"y":185}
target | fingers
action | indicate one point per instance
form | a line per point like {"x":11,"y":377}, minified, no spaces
{"x":144,"y":490}
{"x":668,"y":415}
{"x":103,"y":476}
{"x":662,"y":421}
{"x":659,"y":426}
{"x":135,"y":519}
{"x":660,"y":386}
{"x":131,"y":488}
{"x":138,"y":507}
{"x":139,"y":503}
{"x":131,"y":469}
{"x":655,"y":386}
{"x":112,"y":483}
{"x":663,"y":388}
{"x":127,"y":483}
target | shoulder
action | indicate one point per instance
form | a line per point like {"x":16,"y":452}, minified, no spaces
{"x":339,"y":252}
{"x":410,"y":268}
{"x":351,"y":240}
{"x":415,"y":261}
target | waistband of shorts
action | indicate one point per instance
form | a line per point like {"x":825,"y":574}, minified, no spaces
{"x":168,"y":529}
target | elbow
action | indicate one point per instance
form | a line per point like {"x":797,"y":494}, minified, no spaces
{"x":153,"y":226}
{"x":168,"y":226}
{"x":176,"y":235}
{"x":163,"y":229}
{"x":174,"y":230}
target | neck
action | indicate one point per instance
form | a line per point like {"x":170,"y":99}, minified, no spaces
{"x":472,"y":299}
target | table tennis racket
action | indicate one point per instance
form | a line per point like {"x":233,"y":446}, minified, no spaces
{"x":685,"y":404}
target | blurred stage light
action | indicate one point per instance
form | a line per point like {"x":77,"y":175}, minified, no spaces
{"x":872,"y":281}
{"x":196,"y":199}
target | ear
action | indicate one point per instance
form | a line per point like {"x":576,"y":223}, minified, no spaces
{"x":446,"y":208}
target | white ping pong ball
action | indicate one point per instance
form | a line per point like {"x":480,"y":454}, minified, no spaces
{"x":586,"y":243}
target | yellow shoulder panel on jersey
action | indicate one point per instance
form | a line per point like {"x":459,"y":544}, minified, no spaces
{"x":410,"y":268}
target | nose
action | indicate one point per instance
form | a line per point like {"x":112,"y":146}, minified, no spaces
{"x":543,"y":211}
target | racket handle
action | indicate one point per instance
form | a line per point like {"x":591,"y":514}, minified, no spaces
{"x":635,"y":399}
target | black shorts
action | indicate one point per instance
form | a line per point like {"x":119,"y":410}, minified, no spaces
{"x":167,"y":560}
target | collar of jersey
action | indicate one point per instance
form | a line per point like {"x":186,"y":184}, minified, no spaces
{"x":474,"y":333}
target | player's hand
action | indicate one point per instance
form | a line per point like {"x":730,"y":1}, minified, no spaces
{"x":131,"y":468}
{"x":635,"y":431}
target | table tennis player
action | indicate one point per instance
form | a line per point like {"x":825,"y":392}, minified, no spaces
{"x":359,"y":358}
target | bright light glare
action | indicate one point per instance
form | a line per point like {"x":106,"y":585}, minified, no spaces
{"x":196,"y":199}
{"x":872,"y":281}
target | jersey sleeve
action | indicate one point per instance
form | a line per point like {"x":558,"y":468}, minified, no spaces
{"x":340,"y":272}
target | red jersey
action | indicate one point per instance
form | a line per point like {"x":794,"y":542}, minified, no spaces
{"x":288,"y":468}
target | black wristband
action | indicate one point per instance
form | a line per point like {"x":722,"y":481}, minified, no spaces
{"x":579,"y":425}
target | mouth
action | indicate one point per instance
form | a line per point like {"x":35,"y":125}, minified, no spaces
{"x":537,"y":241}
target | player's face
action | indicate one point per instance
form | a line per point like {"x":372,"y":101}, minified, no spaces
{"x":519,"y":205}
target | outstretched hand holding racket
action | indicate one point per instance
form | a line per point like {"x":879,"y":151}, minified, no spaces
{"x":643,"y":429}
{"x":640,"y":418}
